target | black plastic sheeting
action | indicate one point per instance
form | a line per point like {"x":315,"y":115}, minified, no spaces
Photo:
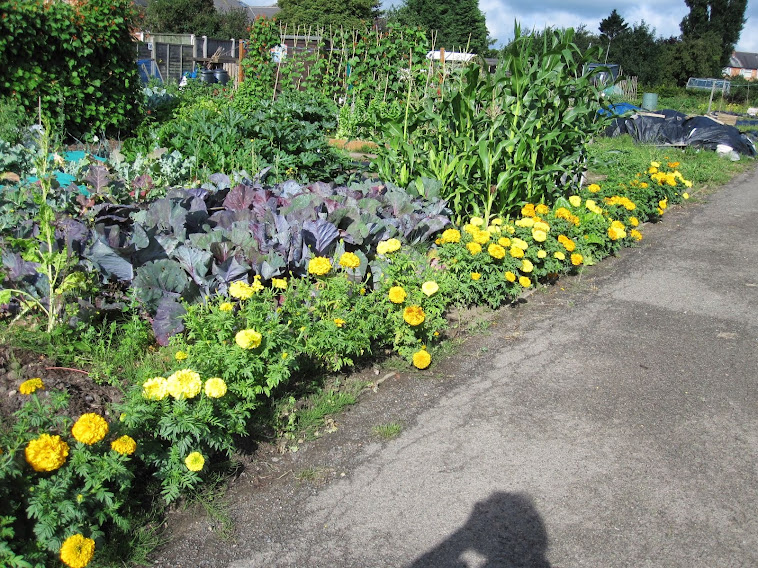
{"x":673,"y":127}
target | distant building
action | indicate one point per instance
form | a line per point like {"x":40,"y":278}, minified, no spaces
{"x":742,"y":64}
{"x":262,"y":11}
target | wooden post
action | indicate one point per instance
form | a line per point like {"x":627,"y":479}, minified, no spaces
{"x":240,"y":71}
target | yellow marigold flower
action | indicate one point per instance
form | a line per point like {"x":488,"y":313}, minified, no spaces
{"x":541,"y":226}
{"x":496,"y":251}
{"x":226,"y":307}
{"x":481,"y":237}
{"x":633,"y":221}
{"x":475,"y":276}
{"x":592,"y":206}
{"x":614,"y":233}
{"x":516,"y":252}
{"x":154,"y":389}
{"x":542,"y":209}
{"x":46,"y":453}
{"x":663,"y":203}
{"x":279,"y":283}
{"x":397,"y":295}
{"x":470,"y":229}
{"x":185,"y":383}
{"x":528,"y":210}
{"x":194,"y":461}
{"x":256,"y":286}
{"x":504,"y":242}
{"x":577,"y":259}
{"x":450,"y":236}
{"x":181,"y":355}
{"x":652,"y":170}
{"x":539,"y":235}
{"x":618,"y":224}
{"x":124,"y":445}
{"x":687,"y":183}
{"x":429,"y":288}
{"x":248,"y":339}
{"x":474,"y":248}
{"x":526,"y":265}
{"x":339,"y":322}
{"x":388,"y":246}
{"x":520,"y":243}
{"x":90,"y":428}
{"x":524,"y":281}
{"x":670,"y":180}
{"x":635,"y":234}
{"x":28,"y":387}
{"x":241,"y":290}
{"x":350,"y":260}
{"x":510,"y":276}
{"x":77,"y":551}
{"x":476,"y":221}
{"x":593,"y":188}
{"x":422,"y":359}
{"x":567,"y":243}
{"x":655,"y":164}
{"x":414,"y":315}
{"x":673,"y":165}
{"x":686,"y":195}
{"x":494,"y":229}
{"x":559,"y":255}
{"x":510,"y":229}
{"x":438,"y":241}
{"x":563,"y":213}
{"x":319,"y":265}
{"x":541,"y":254}
{"x":525,"y":222}
{"x":497,"y":221}
{"x":644,"y":185}
{"x":215,"y":387}
{"x":575,"y":200}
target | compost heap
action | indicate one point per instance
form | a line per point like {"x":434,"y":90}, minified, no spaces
{"x":672,"y":127}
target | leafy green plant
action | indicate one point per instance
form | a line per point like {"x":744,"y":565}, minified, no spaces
{"x":53,"y":264}
{"x":494,"y":141}
{"x":74,"y":61}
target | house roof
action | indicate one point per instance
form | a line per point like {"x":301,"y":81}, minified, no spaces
{"x":268,"y":11}
{"x":744,"y":60}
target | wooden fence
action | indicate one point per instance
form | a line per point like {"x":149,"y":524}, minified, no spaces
{"x":169,"y":56}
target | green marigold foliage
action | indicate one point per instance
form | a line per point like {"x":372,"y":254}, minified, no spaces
{"x":76,"y":61}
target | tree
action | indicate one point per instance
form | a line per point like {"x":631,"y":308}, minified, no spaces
{"x":233,"y":24}
{"x":690,"y":57}
{"x":637,"y":51}
{"x":322,"y":13}
{"x":459,"y":24}
{"x":611,"y":27}
{"x":182,"y":16}
{"x":722,"y":18}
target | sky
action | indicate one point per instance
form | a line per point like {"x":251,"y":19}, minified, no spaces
{"x":662,"y":15}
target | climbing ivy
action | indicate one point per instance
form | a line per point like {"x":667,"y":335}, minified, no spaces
{"x":73,"y":62}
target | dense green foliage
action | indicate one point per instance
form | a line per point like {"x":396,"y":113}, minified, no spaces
{"x":346,"y":14}
{"x":74,"y":61}
{"x":454,"y":25}
{"x":198,"y":17}
{"x":719,"y":22}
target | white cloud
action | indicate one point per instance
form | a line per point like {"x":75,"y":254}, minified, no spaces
{"x":663,"y":15}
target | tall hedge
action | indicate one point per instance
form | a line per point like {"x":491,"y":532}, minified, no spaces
{"x":77,"y":58}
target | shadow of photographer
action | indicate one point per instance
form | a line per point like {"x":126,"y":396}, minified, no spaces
{"x":504,"y":531}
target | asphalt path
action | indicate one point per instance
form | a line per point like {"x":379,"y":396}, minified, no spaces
{"x":610,"y":423}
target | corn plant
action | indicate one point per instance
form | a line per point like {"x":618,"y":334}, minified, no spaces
{"x":496,"y":140}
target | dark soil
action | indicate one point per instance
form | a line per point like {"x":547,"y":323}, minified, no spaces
{"x":17,"y":366}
